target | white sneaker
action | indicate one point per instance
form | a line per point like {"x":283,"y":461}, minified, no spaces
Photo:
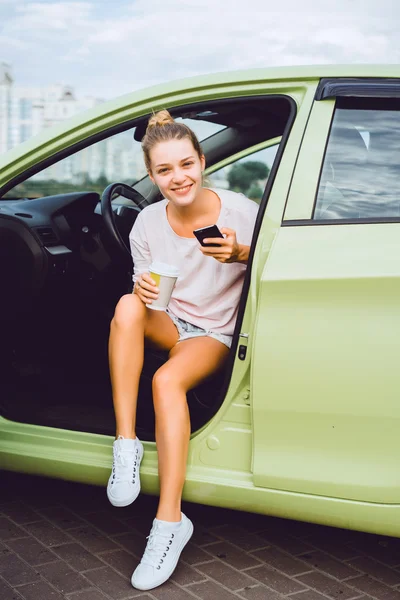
{"x":166,"y":542}
{"x":124,"y":482}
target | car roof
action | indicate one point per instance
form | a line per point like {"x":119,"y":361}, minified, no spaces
{"x":257,"y":75}
{"x":195,"y":86}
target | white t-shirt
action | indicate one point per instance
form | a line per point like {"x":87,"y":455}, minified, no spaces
{"x":207,"y":292}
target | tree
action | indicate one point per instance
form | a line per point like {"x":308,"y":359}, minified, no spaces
{"x":244,"y":174}
{"x":102,"y":181}
{"x":255,"y":192}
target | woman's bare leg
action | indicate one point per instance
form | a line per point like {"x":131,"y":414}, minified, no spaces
{"x":190,"y":362}
{"x":132,"y":322}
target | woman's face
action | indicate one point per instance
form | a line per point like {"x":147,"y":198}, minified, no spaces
{"x":177,"y":169}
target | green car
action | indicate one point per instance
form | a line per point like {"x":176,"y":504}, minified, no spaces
{"x":304,"y":422}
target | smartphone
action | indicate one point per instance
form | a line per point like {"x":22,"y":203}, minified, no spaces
{"x":211,"y":231}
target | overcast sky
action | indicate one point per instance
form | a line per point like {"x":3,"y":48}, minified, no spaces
{"x":105,"y":48}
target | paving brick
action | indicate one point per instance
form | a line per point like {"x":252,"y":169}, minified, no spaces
{"x":327,"y":585}
{"x":62,"y":577}
{"x":336,"y":549}
{"x":9,"y":530}
{"x":275,"y":580}
{"x":138,"y":524}
{"x":230,"y":578}
{"x":240,"y":537}
{"x":91,"y":594}
{"x":364,"y":597}
{"x":32,"y":551}
{"x":47,"y":533}
{"x":77,"y":556}
{"x":133,"y":542}
{"x":62,"y":517}
{"x":39,"y":591}
{"x":202,"y":537}
{"x":194,"y":554}
{"x":111,"y":583}
{"x":14,"y":570}
{"x":19,"y":512}
{"x":74,"y":526}
{"x":290,"y":544}
{"x":92,"y":539}
{"x":232,"y":555}
{"x":146,"y":596}
{"x":337,"y":542}
{"x":7,"y":593}
{"x":121,"y":560}
{"x":4,"y":553}
{"x":386,"y":550}
{"x":282,"y":561}
{"x":329,"y":565}
{"x":374,"y":588}
{"x":106,"y":523}
{"x":184,"y":575}
{"x":170,"y":591}
{"x":309,"y":595}
{"x":206,"y":591}
{"x":260,"y":592}
{"x":372,"y":567}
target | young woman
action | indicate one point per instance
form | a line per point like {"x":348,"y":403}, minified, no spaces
{"x":196,"y":329}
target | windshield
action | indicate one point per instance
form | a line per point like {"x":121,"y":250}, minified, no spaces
{"x":118,"y":158}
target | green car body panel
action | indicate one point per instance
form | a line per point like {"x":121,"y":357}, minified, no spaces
{"x":309,"y":428}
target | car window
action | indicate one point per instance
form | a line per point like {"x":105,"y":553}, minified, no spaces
{"x":248,"y":174}
{"x":360,"y":176}
{"x":117,"y":158}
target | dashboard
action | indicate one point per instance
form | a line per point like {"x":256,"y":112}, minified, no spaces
{"x":46,"y":241}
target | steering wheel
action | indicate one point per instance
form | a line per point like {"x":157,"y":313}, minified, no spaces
{"x":111,"y":231}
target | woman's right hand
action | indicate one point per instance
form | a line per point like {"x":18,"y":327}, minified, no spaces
{"x":145,"y":288}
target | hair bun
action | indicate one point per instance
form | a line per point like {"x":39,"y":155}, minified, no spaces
{"x":159,"y":119}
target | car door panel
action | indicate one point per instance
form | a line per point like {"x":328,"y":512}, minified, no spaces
{"x":328,"y":418}
{"x":325,"y":378}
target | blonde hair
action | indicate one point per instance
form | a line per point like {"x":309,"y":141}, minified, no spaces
{"x":162,"y":128}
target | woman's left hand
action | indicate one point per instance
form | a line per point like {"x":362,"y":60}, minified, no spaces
{"x":228,"y":250}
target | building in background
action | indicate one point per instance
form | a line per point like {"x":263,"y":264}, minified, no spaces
{"x":26,"y":111}
{"x":6,"y":83}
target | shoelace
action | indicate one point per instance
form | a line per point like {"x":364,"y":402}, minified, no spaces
{"x":158,"y":545}
{"x":122,"y":470}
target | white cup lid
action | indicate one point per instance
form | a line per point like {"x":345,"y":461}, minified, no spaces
{"x":163,"y":269}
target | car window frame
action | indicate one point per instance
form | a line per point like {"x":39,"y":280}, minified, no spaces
{"x":299,"y":209}
{"x":361,"y":100}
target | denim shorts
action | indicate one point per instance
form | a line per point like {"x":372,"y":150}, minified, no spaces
{"x":187,"y":330}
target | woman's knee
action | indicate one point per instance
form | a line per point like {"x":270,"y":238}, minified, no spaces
{"x":129,"y":311}
{"x":167,"y":387}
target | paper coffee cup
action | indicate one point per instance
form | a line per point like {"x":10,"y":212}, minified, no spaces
{"x":165,"y":277}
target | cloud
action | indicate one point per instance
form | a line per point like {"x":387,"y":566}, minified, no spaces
{"x":35,"y":19}
{"x":106,"y":49}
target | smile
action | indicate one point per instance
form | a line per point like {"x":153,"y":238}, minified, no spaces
{"x":183,"y":190}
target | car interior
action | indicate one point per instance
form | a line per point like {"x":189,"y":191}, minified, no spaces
{"x":64,"y":264}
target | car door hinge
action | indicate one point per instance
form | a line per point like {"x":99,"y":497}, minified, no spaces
{"x":246,"y":396}
{"x":243,"y":341}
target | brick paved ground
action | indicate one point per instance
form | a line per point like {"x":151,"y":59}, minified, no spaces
{"x":61,"y":540}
